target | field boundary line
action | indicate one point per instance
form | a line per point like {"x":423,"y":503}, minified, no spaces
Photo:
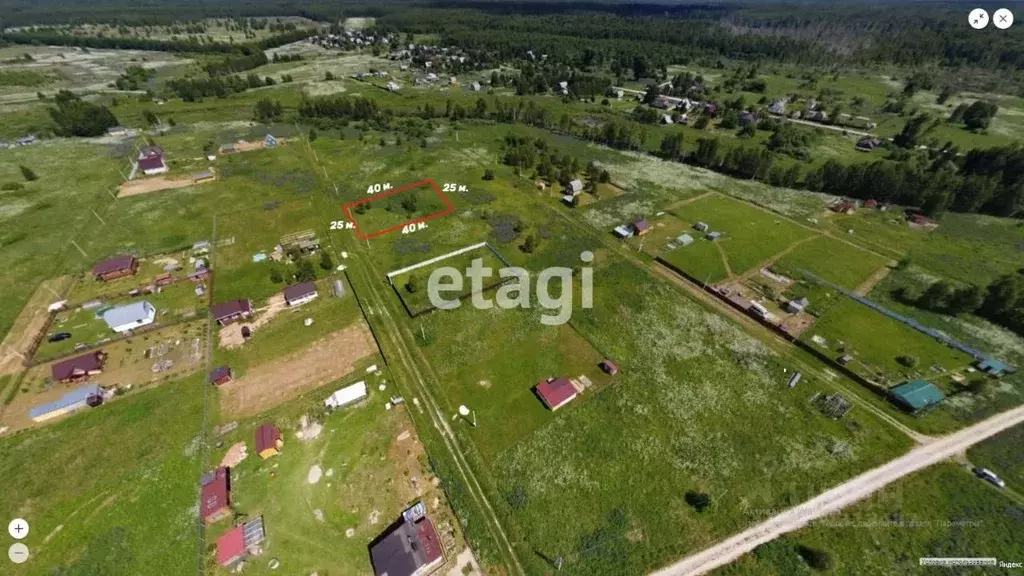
{"x":204,"y":448}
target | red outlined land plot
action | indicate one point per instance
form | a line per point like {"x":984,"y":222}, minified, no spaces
{"x":416,"y":185}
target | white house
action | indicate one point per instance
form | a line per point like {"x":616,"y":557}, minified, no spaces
{"x":125,"y":318}
{"x":346,"y":395}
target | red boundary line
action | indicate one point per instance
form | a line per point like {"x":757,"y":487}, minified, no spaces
{"x":348,"y":208}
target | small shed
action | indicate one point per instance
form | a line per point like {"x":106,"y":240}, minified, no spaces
{"x":555,"y":392}
{"x":269,"y":141}
{"x":298,"y":294}
{"x":701,"y":227}
{"x":797,"y":305}
{"x":714,"y":236}
{"x":994,"y":367}
{"x":574,"y":187}
{"x":231,"y":548}
{"x":347,"y":395}
{"x":844,"y":359}
{"x":221,"y":375}
{"x":684,"y":240}
{"x":268,"y":441}
{"x":569,"y":200}
{"x":916,"y":395}
{"x":204,"y":176}
{"x":623,"y":231}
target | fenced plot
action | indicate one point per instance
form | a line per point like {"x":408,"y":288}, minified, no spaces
{"x":410,"y":283}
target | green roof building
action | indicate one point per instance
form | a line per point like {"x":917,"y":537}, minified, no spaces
{"x":916,"y":395}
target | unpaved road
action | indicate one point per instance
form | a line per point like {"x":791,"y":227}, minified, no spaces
{"x":842,"y":496}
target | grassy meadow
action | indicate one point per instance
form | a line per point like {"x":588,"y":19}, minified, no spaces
{"x":113,"y":489}
{"x":943,"y":511}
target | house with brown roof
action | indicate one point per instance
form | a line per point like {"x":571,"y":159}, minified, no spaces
{"x":409,"y":547}
{"x":298,"y":294}
{"x":151,"y":160}
{"x":116,"y":267}
{"x":216,"y":496}
{"x":555,"y":392}
{"x":78,"y":368}
{"x":268,"y":441}
{"x":227,"y":312}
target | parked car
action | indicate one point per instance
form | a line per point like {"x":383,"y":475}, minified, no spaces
{"x":989,"y":476}
{"x":59,"y":336}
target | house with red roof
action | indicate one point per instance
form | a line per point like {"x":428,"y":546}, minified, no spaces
{"x":231,"y":548}
{"x":641,"y":227}
{"x":409,"y":547}
{"x":227,"y":312}
{"x":216,"y":496}
{"x":78,"y":368}
{"x":116,"y":267}
{"x":221,"y":375}
{"x":555,"y":392}
{"x":151,"y":160}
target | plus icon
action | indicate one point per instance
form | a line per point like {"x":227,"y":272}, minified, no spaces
{"x":18,"y":528}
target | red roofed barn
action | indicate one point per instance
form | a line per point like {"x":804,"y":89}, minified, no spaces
{"x":221,"y":375}
{"x":78,"y":368}
{"x":556,"y":392}
{"x":216,"y":497}
{"x":115,"y":267}
{"x":231,"y":547}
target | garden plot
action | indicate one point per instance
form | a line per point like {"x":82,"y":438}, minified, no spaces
{"x":412,"y":286}
{"x":883,"y":349}
{"x":490,"y":360}
{"x":834,"y":260}
{"x":750,"y":237}
{"x":265,"y":386}
{"x":131,"y":364}
{"x":371,"y":466}
{"x":174,"y":302}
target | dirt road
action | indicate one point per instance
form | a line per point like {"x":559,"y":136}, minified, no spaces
{"x":843,"y":495}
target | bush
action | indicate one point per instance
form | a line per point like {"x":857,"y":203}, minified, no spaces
{"x":817,"y":559}
{"x":325,"y":260}
{"x":412,"y":285}
{"x":12,"y":186}
{"x":517,"y":499}
{"x":28,"y":173}
{"x":275,"y":276}
{"x":488,"y":174}
{"x":908,"y":360}
{"x":699,"y":501}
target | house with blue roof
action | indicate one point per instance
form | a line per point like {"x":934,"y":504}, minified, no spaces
{"x":995,"y":368}
{"x":88,"y":395}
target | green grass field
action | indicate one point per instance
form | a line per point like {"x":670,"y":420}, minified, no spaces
{"x":875,"y":341}
{"x":412,"y":286}
{"x":833,"y":260}
{"x":101,"y":489}
{"x":1002,"y":455}
{"x":943,"y":511}
{"x":706,"y":409}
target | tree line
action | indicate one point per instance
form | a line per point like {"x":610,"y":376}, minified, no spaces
{"x":1001,"y":302}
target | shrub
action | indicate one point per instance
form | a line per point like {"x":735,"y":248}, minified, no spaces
{"x":488,"y":174}
{"x":12,"y":186}
{"x":699,"y":501}
{"x":275,"y":276}
{"x":817,"y":559}
{"x":28,"y":173}
{"x":907,"y":360}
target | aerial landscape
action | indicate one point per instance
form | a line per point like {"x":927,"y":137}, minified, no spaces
{"x":475,"y":287}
